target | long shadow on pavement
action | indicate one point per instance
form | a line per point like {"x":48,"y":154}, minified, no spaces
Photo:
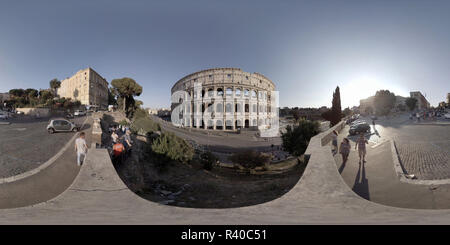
{"x":361,"y":185}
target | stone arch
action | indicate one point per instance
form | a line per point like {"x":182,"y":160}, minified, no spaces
{"x":228,"y":108}
{"x":229,"y":91}
{"x":219,"y":107}
{"x":219,"y":91}
{"x":237,"y":107}
{"x":228,"y":124}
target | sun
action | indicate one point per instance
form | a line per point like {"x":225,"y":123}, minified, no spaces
{"x":359,"y":88}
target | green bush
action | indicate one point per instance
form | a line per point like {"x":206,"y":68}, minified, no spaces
{"x":173,"y":148}
{"x":250,"y":159}
{"x":144,"y":126}
{"x":123,"y":123}
{"x":208,"y":159}
{"x":296,"y":139}
{"x":139,"y":114}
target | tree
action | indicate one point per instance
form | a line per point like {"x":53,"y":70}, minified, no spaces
{"x":411,"y":103}
{"x":54,"y":85}
{"x":384,"y":101}
{"x":250,"y":159}
{"x":336,"y":107}
{"x":296,"y":139}
{"x":17,"y":92}
{"x":347,"y":111}
{"x":296,"y":114}
{"x":126,"y":88}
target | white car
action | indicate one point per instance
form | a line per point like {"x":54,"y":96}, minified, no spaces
{"x":79,"y":113}
{"x":3,"y":116}
{"x":447,"y":116}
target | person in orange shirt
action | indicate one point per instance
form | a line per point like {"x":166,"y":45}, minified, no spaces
{"x":118,"y":150}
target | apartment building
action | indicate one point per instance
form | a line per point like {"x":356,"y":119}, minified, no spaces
{"x":87,"y":86}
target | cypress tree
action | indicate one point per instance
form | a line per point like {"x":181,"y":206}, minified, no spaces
{"x":336,"y":108}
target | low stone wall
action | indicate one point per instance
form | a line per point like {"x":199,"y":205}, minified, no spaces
{"x":326,"y":136}
{"x":97,"y":129}
{"x":41,"y":112}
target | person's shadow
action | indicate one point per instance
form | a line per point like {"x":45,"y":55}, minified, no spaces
{"x":361,"y":185}
{"x":341,"y":168}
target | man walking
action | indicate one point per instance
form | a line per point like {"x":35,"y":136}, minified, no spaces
{"x":127,"y":142}
{"x":361,"y":145}
{"x":81,"y":148}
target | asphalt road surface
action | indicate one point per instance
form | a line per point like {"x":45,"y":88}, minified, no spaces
{"x":25,"y":144}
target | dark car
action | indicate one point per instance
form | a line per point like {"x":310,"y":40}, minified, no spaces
{"x":69,"y":115}
{"x":359,"y":128}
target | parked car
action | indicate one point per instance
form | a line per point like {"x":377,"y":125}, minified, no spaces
{"x":359,"y":128}
{"x":447,"y":116}
{"x":79,"y":113}
{"x":359,"y":121}
{"x":62,"y":125}
{"x":3,"y":116}
{"x":69,"y":115}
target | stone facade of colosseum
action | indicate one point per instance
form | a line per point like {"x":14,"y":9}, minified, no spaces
{"x":224,"y":99}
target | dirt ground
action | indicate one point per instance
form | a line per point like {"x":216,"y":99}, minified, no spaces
{"x":187,"y":185}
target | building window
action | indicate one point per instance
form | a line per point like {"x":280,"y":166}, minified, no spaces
{"x":229,"y":75}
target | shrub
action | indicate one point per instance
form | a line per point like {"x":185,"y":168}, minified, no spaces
{"x":172,"y":147}
{"x":207,"y":159}
{"x":250,"y":159}
{"x":296,"y":139}
{"x":144,"y":126}
{"x":123,"y":123}
{"x":139,"y":114}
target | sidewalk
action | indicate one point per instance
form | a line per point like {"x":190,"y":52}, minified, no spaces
{"x":46,"y":184}
{"x":376,"y":180}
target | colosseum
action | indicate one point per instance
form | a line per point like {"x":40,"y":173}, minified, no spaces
{"x":224,"y":99}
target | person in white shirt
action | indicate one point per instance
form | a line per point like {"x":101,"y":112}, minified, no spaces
{"x":81,"y":148}
{"x":114,"y":137}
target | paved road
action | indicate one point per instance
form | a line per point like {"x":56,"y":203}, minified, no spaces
{"x":376,"y":180}
{"x":46,"y":184}
{"x":223,"y":142}
{"x":25,"y":145}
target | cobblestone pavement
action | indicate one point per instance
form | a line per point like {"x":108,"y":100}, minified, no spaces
{"x":26,"y":145}
{"x":423,"y":149}
{"x":426,"y":160}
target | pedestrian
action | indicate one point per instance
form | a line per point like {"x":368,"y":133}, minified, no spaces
{"x":81,"y":148}
{"x":334,"y":141}
{"x":114,"y":136}
{"x":345,"y":150}
{"x":127,"y":142}
{"x":118,"y":150}
{"x":361,"y":145}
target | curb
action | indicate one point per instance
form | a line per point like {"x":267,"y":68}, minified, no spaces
{"x":401,"y":174}
{"x":5,"y":123}
{"x":42,"y":166}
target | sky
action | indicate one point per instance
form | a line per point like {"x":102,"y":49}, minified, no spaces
{"x":306,"y":48}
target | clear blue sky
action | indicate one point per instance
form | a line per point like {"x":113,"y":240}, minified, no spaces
{"x":305,"y":47}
